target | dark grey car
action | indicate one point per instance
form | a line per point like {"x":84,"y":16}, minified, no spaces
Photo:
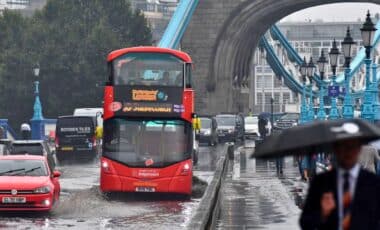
{"x":230,"y":127}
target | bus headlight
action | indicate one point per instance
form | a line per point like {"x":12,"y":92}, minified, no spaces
{"x":105,"y":165}
{"x":185,"y":169}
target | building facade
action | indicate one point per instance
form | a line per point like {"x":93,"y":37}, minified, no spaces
{"x":308,"y":39}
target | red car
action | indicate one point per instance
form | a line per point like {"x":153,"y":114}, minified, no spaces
{"x":26,"y":183}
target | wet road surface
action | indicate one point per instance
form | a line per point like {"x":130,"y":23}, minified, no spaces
{"x":82,"y":206}
{"x":255,"y":197}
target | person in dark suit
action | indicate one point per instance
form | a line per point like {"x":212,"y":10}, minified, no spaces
{"x":345,"y":198}
{"x":262,"y":124}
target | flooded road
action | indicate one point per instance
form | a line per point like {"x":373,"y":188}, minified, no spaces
{"x":82,"y":206}
{"x":255,"y":197}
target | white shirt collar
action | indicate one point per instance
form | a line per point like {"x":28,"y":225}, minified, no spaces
{"x":354,"y":171}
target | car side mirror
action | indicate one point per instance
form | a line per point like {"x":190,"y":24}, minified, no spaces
{"x":56,"y":174}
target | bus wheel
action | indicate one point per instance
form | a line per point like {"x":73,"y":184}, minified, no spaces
{"x":106,"y":195}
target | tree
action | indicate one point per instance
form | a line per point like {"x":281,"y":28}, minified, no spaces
{"x":70,"y":41}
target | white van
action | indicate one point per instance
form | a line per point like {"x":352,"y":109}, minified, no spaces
{"x":93,"y":112}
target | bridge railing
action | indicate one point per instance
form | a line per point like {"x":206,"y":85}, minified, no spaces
{"x":355,"y":64}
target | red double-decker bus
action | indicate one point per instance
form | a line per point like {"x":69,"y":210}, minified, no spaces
{"x":147,"y":130}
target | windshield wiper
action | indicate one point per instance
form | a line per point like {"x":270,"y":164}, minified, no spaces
{"x":10,"y":171}
{"x":28,"y":171}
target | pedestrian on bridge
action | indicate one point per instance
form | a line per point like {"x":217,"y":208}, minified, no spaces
{"x":25,"y":131}
{"x":345,"y":197}
{"x":369,"y":158}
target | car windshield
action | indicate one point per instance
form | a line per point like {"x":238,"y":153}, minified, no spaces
{"x":225,"y":121}
{"x":251,"y":120}
{"x":30,"y":148}
{"x":205,"y":123}
{"x":22,"y":167}
{"x":290,"y":116}
{"x":147,"y":143}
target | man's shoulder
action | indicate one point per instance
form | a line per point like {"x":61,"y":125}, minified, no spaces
{"x":369,"y":176}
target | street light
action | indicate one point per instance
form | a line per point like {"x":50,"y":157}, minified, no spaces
{"x":334,"y":56}
{"x":347,"y":47}
{"x":322,"y":62}
{"x":303,"y":70}
{"x":36,"y":70}
{"x":368,"y":31}
{"x":37,"y":119}
{"x":310,"y":74}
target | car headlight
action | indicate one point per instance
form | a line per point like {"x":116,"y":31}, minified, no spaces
{"x":231,"y":130}
{"x":207,"y":132}
{"x":274,"y":123}
{"x":295,"y":123}
{"x":43,"y":189}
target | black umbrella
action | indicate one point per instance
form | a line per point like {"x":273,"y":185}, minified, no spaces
{"x":315,"y":137}
{"x":264,"y":115}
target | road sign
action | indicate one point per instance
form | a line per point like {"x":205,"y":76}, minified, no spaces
{"x":333,"y":91}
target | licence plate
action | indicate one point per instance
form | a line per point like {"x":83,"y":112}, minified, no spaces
{"x":67,"y":148}
{"x":145,"y":189}
{"x":15,"y":200}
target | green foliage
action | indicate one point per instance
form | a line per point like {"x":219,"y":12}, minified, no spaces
{"x":70,"y":40}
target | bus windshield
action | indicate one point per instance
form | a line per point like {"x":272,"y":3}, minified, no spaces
{"x":147,"y":143}
{"x":150,"y":69}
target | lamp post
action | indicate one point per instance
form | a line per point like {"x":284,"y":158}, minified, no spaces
{"x":38,"y":128}
{"x":303,"y":70}
{"x":310,"y":74}
{"x":334,"y":55}
{"x":368,"y":31}
{"x":322,"y":62}
{"x":347,"y":47}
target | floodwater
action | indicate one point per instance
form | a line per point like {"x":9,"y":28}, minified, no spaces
{"x":255,"y":197}
{"x":82,"y":206}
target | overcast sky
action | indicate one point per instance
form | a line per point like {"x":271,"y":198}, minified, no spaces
{"x":334,"y":12}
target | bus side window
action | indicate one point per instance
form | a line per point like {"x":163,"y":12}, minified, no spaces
{"x":110,"y":73}
{"x":188,"y":75}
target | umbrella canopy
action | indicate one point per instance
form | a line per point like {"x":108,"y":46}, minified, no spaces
{"x":315,"y":137}
{"x":264,"y":115}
